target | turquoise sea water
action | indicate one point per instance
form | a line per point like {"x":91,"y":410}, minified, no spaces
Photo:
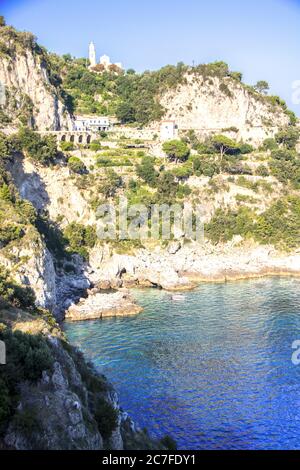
{"x":214,"y":370}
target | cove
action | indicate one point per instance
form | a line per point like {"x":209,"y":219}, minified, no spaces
{"x":213,"y":370}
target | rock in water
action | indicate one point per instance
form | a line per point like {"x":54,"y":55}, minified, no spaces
{"x":103,"y":305}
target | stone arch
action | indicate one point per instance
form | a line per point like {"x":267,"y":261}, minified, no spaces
{"x":80,"y":139}
{"x":63,"y":138}
{"x":72,"y":138}
{"x":88,"y":139}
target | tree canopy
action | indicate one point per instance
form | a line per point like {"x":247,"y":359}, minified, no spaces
{"x":176,"y":150}
{"x":262,"y":87}
{"x":224,"y":144}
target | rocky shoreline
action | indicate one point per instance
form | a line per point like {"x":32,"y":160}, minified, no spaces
{"x":175,"y":270}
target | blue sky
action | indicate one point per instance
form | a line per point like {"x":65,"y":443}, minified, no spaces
{"x":259,"y":38}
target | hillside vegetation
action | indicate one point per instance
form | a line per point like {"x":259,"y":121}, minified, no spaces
{"x":49,"y":197}
{"x":136,"y":97}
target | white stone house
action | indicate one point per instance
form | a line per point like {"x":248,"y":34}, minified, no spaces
{"x":168,"y":130}
{"x":92,"y":123}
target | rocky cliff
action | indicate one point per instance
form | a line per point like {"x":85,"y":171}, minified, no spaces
{"x":31,"y":97}
{"x":212,"y":105}
{"x":176,"y":266}
{"x":60,"y":403}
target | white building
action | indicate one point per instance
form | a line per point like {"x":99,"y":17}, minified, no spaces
{"x":92,"y":54}
{"x":168,"y":130}
{"x":104,"y":60}
{"x":92,"y":123}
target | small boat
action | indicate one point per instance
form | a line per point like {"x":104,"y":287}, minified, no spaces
{"x":177,"y":297}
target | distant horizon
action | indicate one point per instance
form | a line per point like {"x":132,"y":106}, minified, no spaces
{"x":258,"y":39}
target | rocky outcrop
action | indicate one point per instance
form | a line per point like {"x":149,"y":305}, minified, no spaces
{"x":24,"y":74}
{"x":211,"y":106}
{"x":51,"y":189}
{"x":64,"y":421}
{"x":60,"y":413}
{"x":32,"y":265}
{"x":102,"y":305}
{"x":70,"y":407}
{"x":182,"y":268}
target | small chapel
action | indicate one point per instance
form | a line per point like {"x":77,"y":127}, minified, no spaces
{"x":105,"y":64}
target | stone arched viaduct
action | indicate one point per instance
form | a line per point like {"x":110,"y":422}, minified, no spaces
{"x":77,"y":137}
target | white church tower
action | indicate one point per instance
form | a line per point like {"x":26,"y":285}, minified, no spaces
{"x":92,"y":54}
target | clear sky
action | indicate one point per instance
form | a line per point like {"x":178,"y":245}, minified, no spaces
{"x":260,"y":38}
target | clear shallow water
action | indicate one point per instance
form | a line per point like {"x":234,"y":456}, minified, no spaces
{"x":214,"y":371}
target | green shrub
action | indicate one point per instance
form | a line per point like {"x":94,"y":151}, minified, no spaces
{"x":26,"y":211}
{"x":224,"y":145}
{"x":103,"y":134}
{"x":237,"y":168}
{"x":147,"y":172}
{"x":5,"y":193}
{"x":183,"y":172}
{"x":4,"y":148}
{"x":288,"y":137}
{"x":106,"y":417}
{"x":110,"y":184}
{"x":240,"y":198}
{"x":245,"y":148}
{"x":183,"y":191}
{"x":13,"y":293}
{"x":227,"y":223}
{"x":76,"y":165}
{"x":247,"y":183}
{"x":205,"y":148}
{"x":10,"y":232}
{"x":67,"y":146}
{"x":279,"y":225}
{"x":52,"y":235}
{"x":41,"y":149}
{"x":284,"y":154}
{"x":269,"y":144}
{"x":79,"y":238}
{"x":205,"y":166}
{"x":262,"y":170}
{"x":27,"y":356}
{"x":95,"y":146}
{"x":166,"y":187}
{"x":286,"y":171}
{"x":176,"y":150}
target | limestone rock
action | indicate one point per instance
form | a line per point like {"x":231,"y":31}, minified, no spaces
{"x":201,"y":105}
{"x":26,"y":74}
{"x":103,"y":305}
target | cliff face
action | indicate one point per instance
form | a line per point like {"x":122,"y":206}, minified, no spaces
{"x":32,"y":265}
{"x":53,"y":189}
{"x":214,"y":105}
{"x":30,"y":96}
{"x":67,"y":405}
